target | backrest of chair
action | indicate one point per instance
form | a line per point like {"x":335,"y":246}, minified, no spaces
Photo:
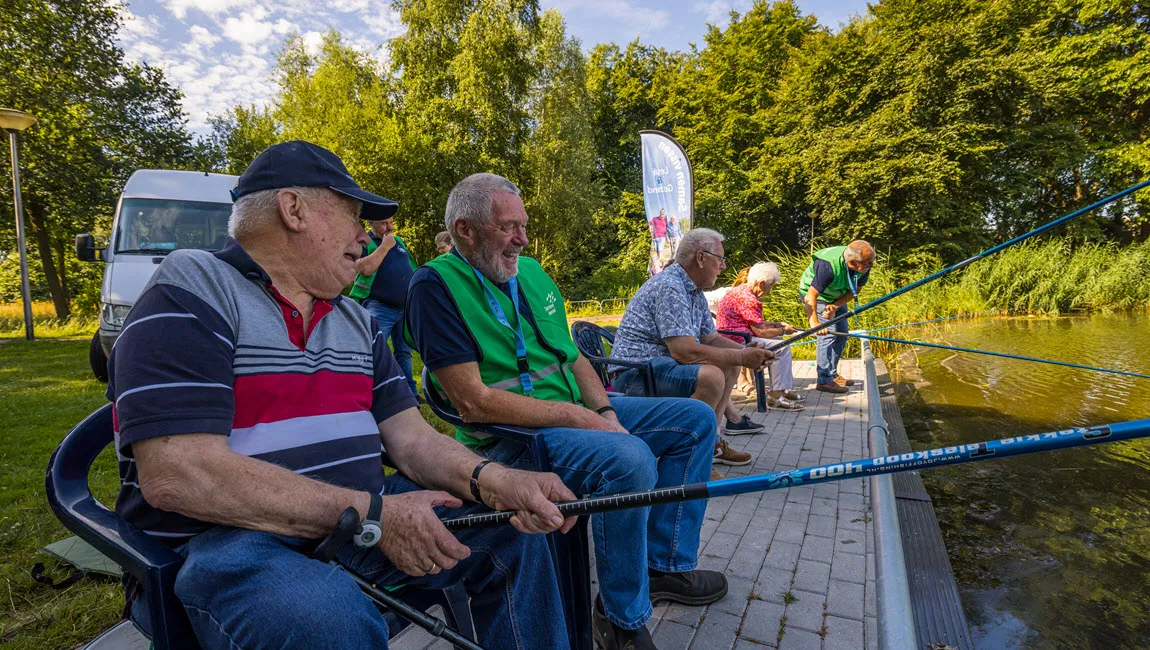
{"x":147,"y":560}
{"x":590,"y":339}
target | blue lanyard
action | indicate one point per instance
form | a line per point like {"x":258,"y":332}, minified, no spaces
{"x":520,"y":342}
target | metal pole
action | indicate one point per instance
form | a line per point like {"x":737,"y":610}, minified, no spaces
{"x":895,"y":616}
{"x":25,"y":288}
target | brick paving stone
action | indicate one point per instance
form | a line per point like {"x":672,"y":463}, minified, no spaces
{"x":845,"y":599}
{"x":783,"y":556}
{"x":790,"y":532}
{"x":799,"y":640}
{"x":848,"y":567}
{"x":853,"y":519}
{"x":761,"y":623}
{"x":819,"y":549}
{"x":746,"y":563}
{"x":738,"y":595}
{"x":806,"y":612}
{"x":745,"y":644}
{"x":796,"y":512}
{"x":722,"y":545}
{"x":813,"y":576}
{"x":673,"y":636}
{"x":684,"y":614}
{"x":871,"y":633}
{"x":843,"y":634}
{"x":821,"y":526}
{"x":717,"y":632}
{"x":850,"y":540}
{"x":772,"y":583}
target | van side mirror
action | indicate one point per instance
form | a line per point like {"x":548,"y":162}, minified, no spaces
{"x":86,"y":250}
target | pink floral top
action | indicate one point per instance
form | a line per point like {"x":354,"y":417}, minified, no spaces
{"x":738,"y":310}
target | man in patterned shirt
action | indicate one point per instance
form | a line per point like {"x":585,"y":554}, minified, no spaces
{"x":669,"y":324}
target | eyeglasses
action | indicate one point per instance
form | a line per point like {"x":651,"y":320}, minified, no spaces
{"x":722,"y":258}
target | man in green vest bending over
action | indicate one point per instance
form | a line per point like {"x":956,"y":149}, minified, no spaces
{"x":835,"y":276}
{"x":491,"y":327}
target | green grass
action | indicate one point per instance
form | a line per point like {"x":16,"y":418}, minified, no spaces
{"x":44,"y":322}
{"x":46,"y":387}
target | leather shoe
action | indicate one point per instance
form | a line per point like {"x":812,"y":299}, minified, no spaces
{"x":697,"y":587}
{"x":831,"y":387}
{"x":612,"y":637}
{"x":844,"y":382}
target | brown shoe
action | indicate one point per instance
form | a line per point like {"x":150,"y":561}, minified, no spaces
{"x":844,"y":382}
{"x":832,"y":387}
{"x":724,"y":455}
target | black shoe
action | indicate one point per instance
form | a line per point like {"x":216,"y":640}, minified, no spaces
{"x":612,"y":637}
{"x":698,"y":587}
{"x":745,"y":425}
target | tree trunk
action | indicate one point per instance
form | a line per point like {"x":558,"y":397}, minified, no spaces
{"x":55,"y":287}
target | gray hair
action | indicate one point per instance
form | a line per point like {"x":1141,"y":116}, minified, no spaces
{"x":443,"y":238}
{"x":764,"y":272}
{"x":251,"y":210}
{"x":857,"y":250}
{"x":695,"y":241}
{"x":472,"y":199}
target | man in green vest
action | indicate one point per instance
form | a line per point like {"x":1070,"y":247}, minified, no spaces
{"x":383,"y":272}
{"x":491,"y":327}
{"x":833,"y":278}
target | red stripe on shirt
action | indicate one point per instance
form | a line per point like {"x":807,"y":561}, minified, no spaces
{"x":261,"y":399}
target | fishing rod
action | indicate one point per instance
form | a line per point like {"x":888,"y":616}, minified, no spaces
{"x":914,"y":460}
{"x":950,"y":269}
{"x":345,"y":528}
{"x":992,"y":354}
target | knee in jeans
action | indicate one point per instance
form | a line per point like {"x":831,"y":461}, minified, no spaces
{"x":698,"y":417}
{"x":633,"y":466}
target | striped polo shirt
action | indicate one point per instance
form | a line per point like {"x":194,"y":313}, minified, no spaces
{"x":212,"y":347}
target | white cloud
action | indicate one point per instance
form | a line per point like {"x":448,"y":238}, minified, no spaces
{"x":249,"y":28}
{"x":718,"y":12}
{"x":383,"y":22}
{"x":137,"y":27}
{"x":312,"y":42}
{"x":179,"y":8}
{"x":202,"y":40}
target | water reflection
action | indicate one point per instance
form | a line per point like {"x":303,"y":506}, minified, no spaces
{"x":1050,"y":550}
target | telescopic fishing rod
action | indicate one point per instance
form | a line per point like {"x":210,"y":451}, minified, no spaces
{"x":345,"y":529}
{"x":915,"y":460}
{"x":934,"y":276}
{"x":991,"y":354}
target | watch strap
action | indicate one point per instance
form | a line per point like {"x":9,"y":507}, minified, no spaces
{"x":475,"y":480}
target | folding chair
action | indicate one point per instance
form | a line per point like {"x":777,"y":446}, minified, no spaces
{"x":151,"y":564}
{"x":570,"y":552}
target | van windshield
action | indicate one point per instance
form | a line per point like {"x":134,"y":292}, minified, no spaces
{"x":154,"y":226}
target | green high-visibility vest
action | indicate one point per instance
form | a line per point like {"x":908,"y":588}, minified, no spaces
{"x":361,"y":288}
{"x":843,"y":276}
{"x":550,"y":351}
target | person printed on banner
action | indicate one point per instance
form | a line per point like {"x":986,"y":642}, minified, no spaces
{"x":674,"y":234}
{"x":658,"y":228}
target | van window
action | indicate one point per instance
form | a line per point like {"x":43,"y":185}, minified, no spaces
{"x":160,"y":225}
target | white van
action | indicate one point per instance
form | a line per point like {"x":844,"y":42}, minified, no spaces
{"x":159,"y":211}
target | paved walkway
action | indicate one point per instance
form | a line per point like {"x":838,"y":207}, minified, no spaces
{"x":800,"y":561}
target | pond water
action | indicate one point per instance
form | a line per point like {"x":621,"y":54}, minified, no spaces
{"x":1050,"y":550}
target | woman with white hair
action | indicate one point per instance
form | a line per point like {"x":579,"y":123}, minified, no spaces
{"x":741,"y":310}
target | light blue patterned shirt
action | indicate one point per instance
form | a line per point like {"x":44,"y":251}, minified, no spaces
{"x":667,"y":305}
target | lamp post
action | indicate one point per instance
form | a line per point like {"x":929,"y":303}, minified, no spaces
{"x":14,"y":121}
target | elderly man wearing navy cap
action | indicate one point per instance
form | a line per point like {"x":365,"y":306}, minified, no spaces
{"x":251,"y":400}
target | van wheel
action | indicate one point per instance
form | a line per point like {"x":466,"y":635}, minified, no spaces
{"x":97,"y":359}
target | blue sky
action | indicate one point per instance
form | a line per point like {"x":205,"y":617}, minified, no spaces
{"x":222,"y":52}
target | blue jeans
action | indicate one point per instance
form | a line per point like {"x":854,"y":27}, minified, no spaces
{"x":671,"y":443}
{"x":390,"y":322}
{"x":829,"y":346}
{"x":672,"y":379}
{"x":249,"y":589}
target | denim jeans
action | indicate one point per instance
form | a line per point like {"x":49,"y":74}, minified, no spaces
{"x":390,"y":322}
{"x":247,"y":589}
{"x":830,"y":346}
{"x":671,"y":443}
{"x":672,"y":379}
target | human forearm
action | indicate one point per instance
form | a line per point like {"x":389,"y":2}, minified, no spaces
{"x":369,"y":264}
{"x":594,"y":395}
{"x":767,"y":330}
{"x":723,"y":352}
{"x":411,"y":442}
{"x":198,"y":476}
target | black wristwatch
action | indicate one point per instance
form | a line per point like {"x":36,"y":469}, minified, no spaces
{"x":603,"y":409}
{"x":369,"y":529}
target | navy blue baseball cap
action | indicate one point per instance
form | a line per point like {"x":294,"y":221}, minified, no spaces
{"x":303,"y":164}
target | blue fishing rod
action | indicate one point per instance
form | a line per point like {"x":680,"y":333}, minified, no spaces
{"x":914,"y":460}
{"x":951,"y":269}
{"x":993,"y":354}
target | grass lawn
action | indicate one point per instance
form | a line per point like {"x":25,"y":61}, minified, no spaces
{"x":46,"y":387}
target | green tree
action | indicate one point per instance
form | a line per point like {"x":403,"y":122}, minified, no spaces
{"x":99,"y":118}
